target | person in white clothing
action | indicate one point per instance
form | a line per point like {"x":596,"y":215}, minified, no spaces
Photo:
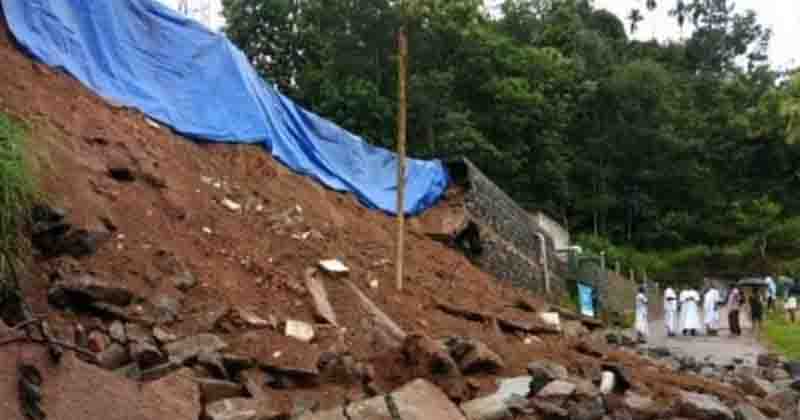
{"x":670,"y":311}
{"x":690,"y":312}
{"x":711,"y":302}
{"x":642,"y":330}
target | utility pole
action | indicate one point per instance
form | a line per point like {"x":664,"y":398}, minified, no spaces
{"x":402,"y":73}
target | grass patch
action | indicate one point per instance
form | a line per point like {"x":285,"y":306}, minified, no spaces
{"x":782,"y":336}
{"x":17,"y":190}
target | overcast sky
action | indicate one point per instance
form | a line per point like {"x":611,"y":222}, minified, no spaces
{"x":782,"y":16}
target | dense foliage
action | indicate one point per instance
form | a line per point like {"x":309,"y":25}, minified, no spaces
{"x":673,"y":148}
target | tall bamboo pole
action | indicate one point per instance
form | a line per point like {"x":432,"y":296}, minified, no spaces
{"x":402,"y":45}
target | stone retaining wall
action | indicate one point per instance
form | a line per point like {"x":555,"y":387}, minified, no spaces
{"x":510,"y":247}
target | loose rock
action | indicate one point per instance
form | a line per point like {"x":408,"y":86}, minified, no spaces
{"x":214,"y":390}
{"x":98,"y":341}
{"x":188,"y":348}
{"x":184,"y":281}
{"x":703,"y":406}
{"x":146,"y":354}
{"x":748,"y":412}
{"x":299,"y":330}
{"x":557,"y":390}
{"x":114,"y":357}
{"x":85,"y":289}
{"x":117,"y":332}
{"x":473,"y":356}
{"x":240,"y":409}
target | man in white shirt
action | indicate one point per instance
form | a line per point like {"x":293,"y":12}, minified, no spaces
{"x":711,"y":302}
{"x":772,"y":292}
{"x":642,"y":327}
{"x":690,"y":301}
{"x":670,"y":311}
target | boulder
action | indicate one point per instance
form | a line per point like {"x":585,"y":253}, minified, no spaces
{"x":703,"y":406}
{"x":585,"y":389}
{"x":748,"y":412}
{"x":214,"y":390}
{"x":473,"y":356}
{"x":184,"y":281}
{"x":253,"y":380}
{"x":608,"y":382}
{"x":212,"y":362}
{"x":777,"y":374}
{"x":498,"y":405}
{"x":588,"y":409}
{"x":166,"y":308}
{"x":85,"y":289}
{"x":113,"y":357}
{"x":417,"y":400}
{"x":191,"y":347}
{"x":640,"y":407}
{"x":163,"y":336}
{"x":756,"y":386}
{"x":768,"y":360}
{"x":549,"y":410}
{"x":557,"y":390}
{"x":146,"y":354}
{"x":574,"y":329}
{"x":98,"y":341}
{"x":160,"y":371}
{"x":429,"y":355}
{"x":241,"y":409}
{"x":545,"y":371}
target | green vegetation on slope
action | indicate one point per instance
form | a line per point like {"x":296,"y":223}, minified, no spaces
{"x":686,"y":150}
{"x":17,"y":189}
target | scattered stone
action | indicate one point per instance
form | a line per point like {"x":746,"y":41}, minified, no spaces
{"x":158,"y":372}
{"x":80,"y":336}
{"x":428,"y":354}
{"x":188,"y":348}
{"x":214,"y":390}
{"x":768,"y":360}
{"x":98,"y":341}
{"x":241,"y":409}
{"x":86,"y":288}
{"x":557,"y":390}
{"x":416,"y":400}
{"x":299,"y":330}
{"x":166,"y":308}
{"x":184,"y":281}
{"x":498,"y":405}
{"x":748,"y":412}
{"x":146,"y":354}
{"x":585,"y":389}
{"x":777,"y":374}
{"x":549,"y":410}
{"x":231,"y":205}
{"x":319,"y":295}
{"x":641,"y":407}
{"x":574,"y":329}
{"x":163,"y":336}
{"x":117,"y":332}
{"x":547,"y":370}
{"x":114,"y":357}
{"x":82,"y":242}
{"x":253,"y":380}
{"x":473,"y":356}
{"x":622,"y":377}
{"x":589,"y":409}
{"x":212,"y":362}
{"x":235,"y":363}
{"x":703,"y":406}
{"x":756,"y":386}
{"x":552,"y":319}
{"x":252,"y":319}
{"x":660,"y":352}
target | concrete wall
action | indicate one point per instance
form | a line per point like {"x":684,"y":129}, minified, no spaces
{"x":559,"y":235}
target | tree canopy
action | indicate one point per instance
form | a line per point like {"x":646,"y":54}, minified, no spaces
{"x":661,"y":147}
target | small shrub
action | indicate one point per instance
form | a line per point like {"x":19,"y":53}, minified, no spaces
{"x":17,"y":190}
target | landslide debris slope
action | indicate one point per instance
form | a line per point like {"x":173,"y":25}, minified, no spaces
{"x":190,"y":270}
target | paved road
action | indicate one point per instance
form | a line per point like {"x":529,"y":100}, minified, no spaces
{"x":721,"y":349}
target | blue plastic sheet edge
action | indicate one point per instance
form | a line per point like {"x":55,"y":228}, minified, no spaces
{"x":142,"y":54}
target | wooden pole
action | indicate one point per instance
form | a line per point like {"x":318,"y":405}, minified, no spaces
{"x":402,"y":45}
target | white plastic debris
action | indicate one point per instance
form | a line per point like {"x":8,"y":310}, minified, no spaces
{"x":277,"y":355}
{"x":300,"y":330}
{"x":334,"y":266}
{"x":374,"y":284}
{"x":207,"y":230}
{"x":607,"y":382}
{"x":551,"y":318}
{"x":231,"y":205}
{"x":260,"y":208}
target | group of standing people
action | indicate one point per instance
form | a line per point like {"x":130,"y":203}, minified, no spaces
{"x":682,"y":311}
{"x":689,"y":311}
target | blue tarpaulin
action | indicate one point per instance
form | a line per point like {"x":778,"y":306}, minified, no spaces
{"x":142,"y":54}
{"x":585,"y":294}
